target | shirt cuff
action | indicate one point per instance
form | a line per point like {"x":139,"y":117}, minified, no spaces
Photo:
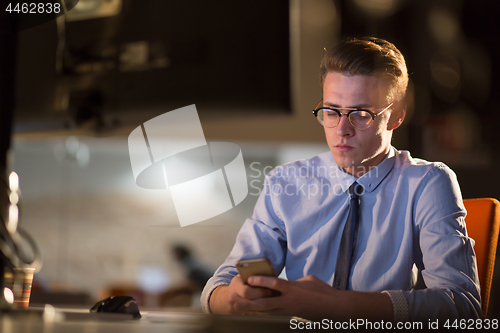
{"x":206,"y":301}
{"x":399,"y":305}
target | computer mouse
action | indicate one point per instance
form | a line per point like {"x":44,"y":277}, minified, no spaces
{"x":118,"y":304}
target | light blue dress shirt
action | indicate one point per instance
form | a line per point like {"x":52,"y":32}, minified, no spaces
{"x":411,"y":242}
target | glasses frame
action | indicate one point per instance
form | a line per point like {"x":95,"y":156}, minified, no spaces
{"x":316,"y":110}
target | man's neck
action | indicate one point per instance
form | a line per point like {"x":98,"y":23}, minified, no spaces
{"x":359,"y":171}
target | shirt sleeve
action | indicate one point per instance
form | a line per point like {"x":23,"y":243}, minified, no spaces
{"x":444,"y":255}
{"x":262,"y":236}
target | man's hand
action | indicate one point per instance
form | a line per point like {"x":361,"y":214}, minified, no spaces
{"x":234,"y":298}
{"x":308,"y":297}
{"x":311,"y":298}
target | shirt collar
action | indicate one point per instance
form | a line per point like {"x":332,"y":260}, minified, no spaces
{"x":374,"y":177}
{"x":371,"y":179}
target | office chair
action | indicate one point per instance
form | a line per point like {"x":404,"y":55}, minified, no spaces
{"x":483,"y":222}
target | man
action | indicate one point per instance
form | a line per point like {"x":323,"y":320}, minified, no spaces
{"x":408,"y":256}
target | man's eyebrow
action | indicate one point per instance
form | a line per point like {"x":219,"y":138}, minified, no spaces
{"x":359,"y":106}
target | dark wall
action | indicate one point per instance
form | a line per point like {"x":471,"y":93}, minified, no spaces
{"x":222,"y":55}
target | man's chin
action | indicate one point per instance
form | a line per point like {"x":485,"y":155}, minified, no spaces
{"x":352,"y":168}
{"x":345,"y":163}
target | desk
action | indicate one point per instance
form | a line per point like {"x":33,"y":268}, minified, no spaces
{"x":59,"y":320}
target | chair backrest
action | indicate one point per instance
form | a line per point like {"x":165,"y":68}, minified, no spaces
{"x":483,"y":223}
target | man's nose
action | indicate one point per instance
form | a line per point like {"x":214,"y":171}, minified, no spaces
{"x":344,"y":128}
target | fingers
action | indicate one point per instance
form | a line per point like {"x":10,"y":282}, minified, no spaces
{"x":249,"y":292}
{"x":268,"y":282}
{"x":297,"y":297}
{"x":255,"y":293}
{"x":258,"y":306}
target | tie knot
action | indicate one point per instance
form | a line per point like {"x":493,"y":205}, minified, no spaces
{"x":355,"y":190}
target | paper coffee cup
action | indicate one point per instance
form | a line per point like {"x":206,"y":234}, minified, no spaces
{"x":20,"y":281}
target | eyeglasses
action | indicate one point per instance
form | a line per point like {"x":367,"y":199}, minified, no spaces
{"x":360,"y":119}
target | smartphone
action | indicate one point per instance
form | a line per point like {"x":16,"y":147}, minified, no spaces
{"x":259,"y":266}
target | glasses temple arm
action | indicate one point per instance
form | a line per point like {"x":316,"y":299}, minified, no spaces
{"x":318,"y":104}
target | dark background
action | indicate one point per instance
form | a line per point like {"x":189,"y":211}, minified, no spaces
{"x":233,"y":57}
{"x":224,"y":56}
{"x":230,"y":57}
{"x":408,"y":30}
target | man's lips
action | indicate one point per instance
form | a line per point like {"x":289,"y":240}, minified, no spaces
{"x":343,"y":147}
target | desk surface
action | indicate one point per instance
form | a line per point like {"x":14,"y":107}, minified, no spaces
{"x":57,"y":320}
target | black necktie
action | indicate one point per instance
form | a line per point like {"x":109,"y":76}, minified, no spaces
{"x":346,"y":248}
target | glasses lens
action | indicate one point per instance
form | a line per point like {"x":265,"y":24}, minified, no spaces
{"x":328,"y":118}
{"x":360,"y":119}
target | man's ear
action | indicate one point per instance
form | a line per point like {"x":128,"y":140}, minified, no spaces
{"x":397,"y":116}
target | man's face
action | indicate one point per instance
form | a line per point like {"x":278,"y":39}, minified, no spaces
{"x":357,"y":151}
